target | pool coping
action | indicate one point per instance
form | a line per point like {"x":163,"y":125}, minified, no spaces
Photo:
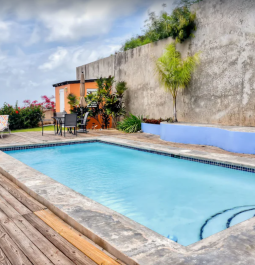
{"x":124,"y":238}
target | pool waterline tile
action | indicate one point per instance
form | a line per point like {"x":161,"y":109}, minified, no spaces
{"x":203,"y":161}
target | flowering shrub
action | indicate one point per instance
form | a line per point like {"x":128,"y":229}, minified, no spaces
{"x":47,"y":103}
{"x":29,"y":115}
{"x":22,"y":118}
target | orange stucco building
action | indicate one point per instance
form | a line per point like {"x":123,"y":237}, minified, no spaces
{"x":63,"y":89}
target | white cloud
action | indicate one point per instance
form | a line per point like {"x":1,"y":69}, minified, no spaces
{"x":5,"y":31}
{"x":55,"y":59}
{"x":43,"y":41}
{"x":69,"y":58}
{"x":63,"y":20}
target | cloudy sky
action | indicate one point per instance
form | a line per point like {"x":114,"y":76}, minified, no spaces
{"x":42,"y":41}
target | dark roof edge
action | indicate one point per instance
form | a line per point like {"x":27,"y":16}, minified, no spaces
{"x":72,"y":82}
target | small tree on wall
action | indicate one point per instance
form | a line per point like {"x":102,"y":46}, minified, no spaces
{"x":174,"y":73}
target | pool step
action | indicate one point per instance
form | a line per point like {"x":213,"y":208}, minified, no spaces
{"x":226,"y":219}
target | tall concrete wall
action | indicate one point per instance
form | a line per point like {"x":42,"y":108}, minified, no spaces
{"x":222,"y":90}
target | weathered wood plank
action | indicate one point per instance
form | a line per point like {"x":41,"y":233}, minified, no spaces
{"x":44,"y":245}
{"x":11,"y":250}
{"x":3,"y":259}
{"x":61,"y":243}
{"x":20,"y":195}
{"x":18,"y":206}
{"x":23,"y":243}
{"x":74,"y":238}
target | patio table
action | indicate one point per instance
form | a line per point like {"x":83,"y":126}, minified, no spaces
{"x":61,"y":120}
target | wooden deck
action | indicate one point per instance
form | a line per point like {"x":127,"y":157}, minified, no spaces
{"x":31,"y":234}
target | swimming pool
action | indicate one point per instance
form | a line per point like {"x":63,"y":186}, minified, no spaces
{"x":170,"y":196}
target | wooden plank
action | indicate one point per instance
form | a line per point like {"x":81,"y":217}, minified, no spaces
{"x":74,"y":238}
{"x":20,"y":195}
{"x":18,"y":206}
{"x":3,"y":259}
{"x":45,"y":246}
{"x":11,"y":250}
{"x":61,"y":243}
{"x":23,"y":243}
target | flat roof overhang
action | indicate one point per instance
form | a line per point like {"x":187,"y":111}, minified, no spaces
{"x":72,"y":82}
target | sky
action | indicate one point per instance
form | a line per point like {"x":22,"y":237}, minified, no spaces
{"x":43,"y":41}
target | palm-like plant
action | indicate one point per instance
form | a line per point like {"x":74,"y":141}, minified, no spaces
{"x":174,"y":73}
{"x":121,"y":87}
{"x":130,"y":124}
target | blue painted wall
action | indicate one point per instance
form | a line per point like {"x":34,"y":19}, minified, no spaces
{"x":151,"y":128}
{"x":232,"y":141}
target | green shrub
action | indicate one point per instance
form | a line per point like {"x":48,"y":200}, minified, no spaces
{"x":180,"y":25}
{"x":22,"y":118}
{"x":130,"y":124}
{"x":135,"y":42}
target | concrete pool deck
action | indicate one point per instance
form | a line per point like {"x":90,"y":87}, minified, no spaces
{"x":122,"y":237}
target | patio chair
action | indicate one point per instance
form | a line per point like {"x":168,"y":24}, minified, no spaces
{"x":83,"y":124}
{"x":46,"y":125}
{"x":70,"y":122}
{"x":4,"y":124}
{"x":61,"y":114}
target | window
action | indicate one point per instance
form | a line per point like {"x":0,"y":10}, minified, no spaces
{"x":91,"y":91}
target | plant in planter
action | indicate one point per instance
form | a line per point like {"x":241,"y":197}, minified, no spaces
{"x":174,"y":73}
{"x":152,"y":121}
{"x":130,"y":124}
{"x":157,"y":121}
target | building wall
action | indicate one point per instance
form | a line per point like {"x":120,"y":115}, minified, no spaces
{"x":71,"y":88}
{"x":222,"y":90}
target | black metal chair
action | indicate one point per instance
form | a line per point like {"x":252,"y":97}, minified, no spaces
{"x":84,"y":123}
{"x":70,"y":122}
{"x":59,"y":119}
{"x":46,"y":125}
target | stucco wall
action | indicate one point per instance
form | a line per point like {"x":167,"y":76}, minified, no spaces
{"x":222,"y":90}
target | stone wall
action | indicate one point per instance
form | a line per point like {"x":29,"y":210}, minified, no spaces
{"x":222,"y":90}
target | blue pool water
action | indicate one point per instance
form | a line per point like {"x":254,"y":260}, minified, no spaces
{"x":170,"y":196}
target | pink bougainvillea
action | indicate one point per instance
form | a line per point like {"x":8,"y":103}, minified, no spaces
{"x":47,"y":102}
